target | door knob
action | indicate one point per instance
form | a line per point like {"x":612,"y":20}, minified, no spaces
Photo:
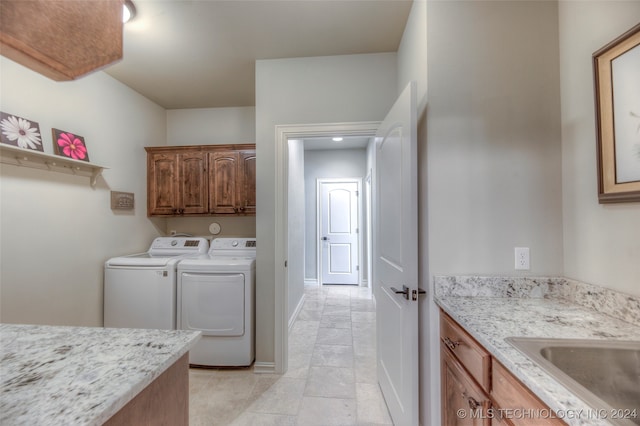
{"x":405,"y":291}
{"x":325,"y":238}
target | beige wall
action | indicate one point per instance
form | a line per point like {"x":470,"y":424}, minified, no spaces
{"x":493,"y":120}
{"x":331,"y":89}
{"x":412,"y":53}
{"x":489,"y":147}
{"x":212,"y":126}
{"x":295,"y":227}
{"x":495,"y":125}
{"x":55,"y":230}
{"x":601,"y":242}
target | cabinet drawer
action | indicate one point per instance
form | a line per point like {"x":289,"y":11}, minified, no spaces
{"x":516,"y":401}
{"x":464,"y":403}
{"x":471,"y":354}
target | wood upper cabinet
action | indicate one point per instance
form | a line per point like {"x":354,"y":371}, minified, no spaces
{"x":223,"y":175}
{"x":62,"y":40}
{"x":247,"y":181}
{"x":192,"y":183}
{"x":232,"y":182}
{"x":162,"y":183}
{"x":201,"y":180}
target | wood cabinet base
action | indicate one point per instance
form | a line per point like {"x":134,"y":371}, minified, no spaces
{"x":478,"y":390}
{"x":164,"y":402}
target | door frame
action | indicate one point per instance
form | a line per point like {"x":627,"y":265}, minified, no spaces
{"x":282,"y":134}
{"x":319,"y":182}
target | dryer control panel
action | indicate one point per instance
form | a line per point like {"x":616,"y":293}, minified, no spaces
{"x":233,"y":246}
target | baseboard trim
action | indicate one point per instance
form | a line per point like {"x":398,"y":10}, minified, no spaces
{"x":261,"y":367}
{"x":297,"y":311}
{"x":311,"y":281}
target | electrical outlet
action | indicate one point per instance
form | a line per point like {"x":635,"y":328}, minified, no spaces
{"x":522,"y":258}
{"x":172,"y":232}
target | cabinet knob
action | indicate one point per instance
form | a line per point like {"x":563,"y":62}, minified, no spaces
{"x":473,"y":403}
{"x":451,"y":344}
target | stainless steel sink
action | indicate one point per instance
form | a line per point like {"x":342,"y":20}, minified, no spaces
{"x":604,"y":373}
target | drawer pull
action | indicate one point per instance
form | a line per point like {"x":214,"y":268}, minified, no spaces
{"x":473,"y":404}
{"x":451,"y":344}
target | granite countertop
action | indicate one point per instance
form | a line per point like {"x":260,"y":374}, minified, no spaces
{"x":58,"y":375}
{"x":491,"y":319}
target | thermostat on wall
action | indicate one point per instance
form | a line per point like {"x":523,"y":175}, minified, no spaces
{"x":214,"y":228}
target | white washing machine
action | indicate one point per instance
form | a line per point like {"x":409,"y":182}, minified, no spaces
{"x":216,"y":295}
{"x":140,"y":289}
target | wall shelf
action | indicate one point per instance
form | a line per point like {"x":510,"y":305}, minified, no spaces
{"x":43,"y":161}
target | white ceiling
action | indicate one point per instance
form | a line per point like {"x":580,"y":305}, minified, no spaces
{"x":201,"y":54}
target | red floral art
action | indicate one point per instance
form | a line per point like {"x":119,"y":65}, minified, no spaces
{"x":72,"y":146}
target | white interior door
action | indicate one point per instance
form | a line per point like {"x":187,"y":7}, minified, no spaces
{"x":396,"y":258}
{"x":339,"y":231}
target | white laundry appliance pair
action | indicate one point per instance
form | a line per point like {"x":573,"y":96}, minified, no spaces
{"x":216,"y":295}
{"x":140,"y":289}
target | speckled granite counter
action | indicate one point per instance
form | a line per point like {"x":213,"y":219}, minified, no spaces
{"x":79,"y":375}
{"x":493,"y":309}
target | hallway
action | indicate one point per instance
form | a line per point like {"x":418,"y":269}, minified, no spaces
{"x":331,"y":378}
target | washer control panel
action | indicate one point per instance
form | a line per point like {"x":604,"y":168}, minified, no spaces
{"x":178,"y":245}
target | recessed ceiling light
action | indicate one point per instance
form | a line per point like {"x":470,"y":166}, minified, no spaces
{"x":337,"y":139}
{"x":128,"y":11}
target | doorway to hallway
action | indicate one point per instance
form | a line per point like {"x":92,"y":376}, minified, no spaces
{"x":395,"y":140}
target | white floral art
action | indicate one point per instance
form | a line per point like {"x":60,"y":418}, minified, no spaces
{"x":20,"y":132}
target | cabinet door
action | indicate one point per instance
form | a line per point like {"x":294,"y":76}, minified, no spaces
{"x":463,"y":401}
{"x":515,"y":398}
{"x":162,"y":184}
{"x":247,"y":182}
{"x":498,"y":420}
{"x":223,"y":172}
{"x":192,"y":183}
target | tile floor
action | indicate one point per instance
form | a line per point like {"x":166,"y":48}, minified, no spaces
{"x":331,"y":378}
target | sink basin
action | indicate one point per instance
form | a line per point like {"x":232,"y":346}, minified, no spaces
{"x":604,"y":373}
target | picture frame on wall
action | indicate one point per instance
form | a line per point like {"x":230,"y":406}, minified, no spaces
{"x":20,"y":132}
{"x":70,"y":145}
{"x":616,"y":69}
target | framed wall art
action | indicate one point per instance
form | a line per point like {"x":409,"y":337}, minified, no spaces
{"x":617,"y":93}
{"x":67,"y":144}
{"x":20,"y":132}
{"x":122,"y":200}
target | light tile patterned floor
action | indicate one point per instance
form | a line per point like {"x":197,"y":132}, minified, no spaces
{"x":331,"y":378}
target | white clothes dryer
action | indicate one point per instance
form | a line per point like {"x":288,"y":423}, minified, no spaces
{"x":216,"y":296}
{"x":140,"y":289}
